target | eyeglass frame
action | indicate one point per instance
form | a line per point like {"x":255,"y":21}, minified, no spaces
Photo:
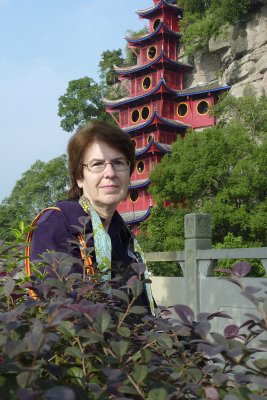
{"x":105,"y":164}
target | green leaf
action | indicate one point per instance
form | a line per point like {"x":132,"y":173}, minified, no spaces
{"x":261,"y":363}
{"x":124,"y":331}
{"x":158,"y":394}
{"x":9,"y":286}
{"x":74,"y":352}
{"x":138,"y":310}
{"x":76,"y":374}
{"x":146,"y":355}
{"x":140,"y":373}
{"x":136,"y":286}
{"x":102,"y":322}
{"x":67,"y":328}
{"x":26,"y":378}
{"x":121,"y":295}
{"x":119,"y":347}
{"x":165,"y":341}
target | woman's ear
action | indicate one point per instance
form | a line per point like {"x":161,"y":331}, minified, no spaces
{"x":80,"y":183}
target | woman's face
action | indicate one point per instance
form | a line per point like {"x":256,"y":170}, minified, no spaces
{"x":104,"y":189}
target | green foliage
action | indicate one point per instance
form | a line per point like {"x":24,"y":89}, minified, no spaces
{"x":222,"y":171}
{"x":131,"y":58}
{"x":236,"y":242}
{"x":81,"y":103}
{"x":204,"y":19}
{"x":79,"y":341}
{"x":42,"y":185}
{"x":109,"y":59}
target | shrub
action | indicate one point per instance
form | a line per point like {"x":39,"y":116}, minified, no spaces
{"x":84,"y":338}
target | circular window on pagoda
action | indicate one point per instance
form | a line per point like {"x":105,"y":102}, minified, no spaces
{"x":146,"y":83}
{"x":150,"y":138}
{"x":151,"y":53}
{"x":140,"y":167}
{"x":133,"y":142}
{"x":134,"y":195}
{"x":135,"y":116}
{"x":182,"y":109}
{"x":203,"y":107}
{"x":145,"y":113}
{"x":156,"y":24}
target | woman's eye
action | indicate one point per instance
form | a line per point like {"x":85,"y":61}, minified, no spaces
{"x":118,"y":162}
{"x":97,"y":164}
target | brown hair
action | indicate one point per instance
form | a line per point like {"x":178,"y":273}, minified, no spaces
{"x":84,"y":137}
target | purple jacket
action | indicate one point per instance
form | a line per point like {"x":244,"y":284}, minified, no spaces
{"x":56,"y":230}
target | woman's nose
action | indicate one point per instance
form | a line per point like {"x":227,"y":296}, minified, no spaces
{"x":109,"y":170}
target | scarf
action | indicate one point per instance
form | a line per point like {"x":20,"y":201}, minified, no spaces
{"x":102,"y":244}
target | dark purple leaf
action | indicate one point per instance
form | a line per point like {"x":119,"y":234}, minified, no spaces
{"x":241,"y":268}
{"x":252,"y":289}
{"x":184,"y":312}
{"x":241,"y":378}
{"x":89,"y":309}
{"x":259,"y":381}
{"x":135,"y":285}
{"x":60,"y":393}
{"x":224,"y":271}
{"x":139,"y":268}
{"x":210,"y":350}
{"x":203,"y":328}
{"x":220,"y":314}
{"x":231,"y":331}
{"x":212,"y":393}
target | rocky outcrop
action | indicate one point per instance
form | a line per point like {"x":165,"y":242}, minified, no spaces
{"x":237,"y":56}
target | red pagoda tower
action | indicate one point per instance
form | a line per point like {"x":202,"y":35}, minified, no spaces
{"x":158,"y":107}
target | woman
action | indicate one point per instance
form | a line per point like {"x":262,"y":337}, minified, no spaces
{"x":101,"y":160}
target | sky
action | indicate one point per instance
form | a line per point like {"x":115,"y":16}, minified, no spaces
{"x":44,"y":44}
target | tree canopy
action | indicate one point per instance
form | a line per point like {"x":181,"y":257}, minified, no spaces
{"x":81,"y":102}
{"x":222,"y":171}
{"x":42,"y":185}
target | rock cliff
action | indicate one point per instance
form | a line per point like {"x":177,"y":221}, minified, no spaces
{"x":237,"y":56}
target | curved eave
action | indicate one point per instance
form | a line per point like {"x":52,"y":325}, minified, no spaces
{"x":212,"y":90}
{"x":127,"y":100}
{"x":156,"y":118}
{"x":162,"y":57}
{"x":139,"y":184}
{"x":149,"y":11}
{"x":160,"y":146}
{"x":160,"y":29}
{"x":135,"y":217}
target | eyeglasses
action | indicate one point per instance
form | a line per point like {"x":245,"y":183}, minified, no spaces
{"x":98,"y":166}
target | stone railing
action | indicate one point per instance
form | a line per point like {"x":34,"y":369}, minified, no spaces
{"x":199,"y":288}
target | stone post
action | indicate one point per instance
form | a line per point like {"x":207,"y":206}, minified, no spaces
{"x":197,"y":231}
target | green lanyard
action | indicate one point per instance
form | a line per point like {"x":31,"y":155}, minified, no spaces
{"x":102,"y":243}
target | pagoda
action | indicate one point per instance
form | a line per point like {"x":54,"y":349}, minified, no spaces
{"x":159,"y":107}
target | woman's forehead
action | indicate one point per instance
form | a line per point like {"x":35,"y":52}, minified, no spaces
{"x":101,"y":150}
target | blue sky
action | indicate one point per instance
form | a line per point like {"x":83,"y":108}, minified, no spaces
{"x":44,"y":44}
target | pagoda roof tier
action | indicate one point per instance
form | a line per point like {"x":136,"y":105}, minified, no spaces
{"x":162,"y":57}
{"x":201,"y":89}
{"x":147,"y":13}
{"x":162,"y":28}
{"x":135,"y":216}
{"x":162,"y":85}
{"x":156,"y":119}
{"x":163,"y":147}
{"x":139,"y":183}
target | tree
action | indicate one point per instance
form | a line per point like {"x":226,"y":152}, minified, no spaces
{"x":81,"y":102}
{"x":42,"y":185}
{"x":109,"y":59}
{"x":221,"y":170}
